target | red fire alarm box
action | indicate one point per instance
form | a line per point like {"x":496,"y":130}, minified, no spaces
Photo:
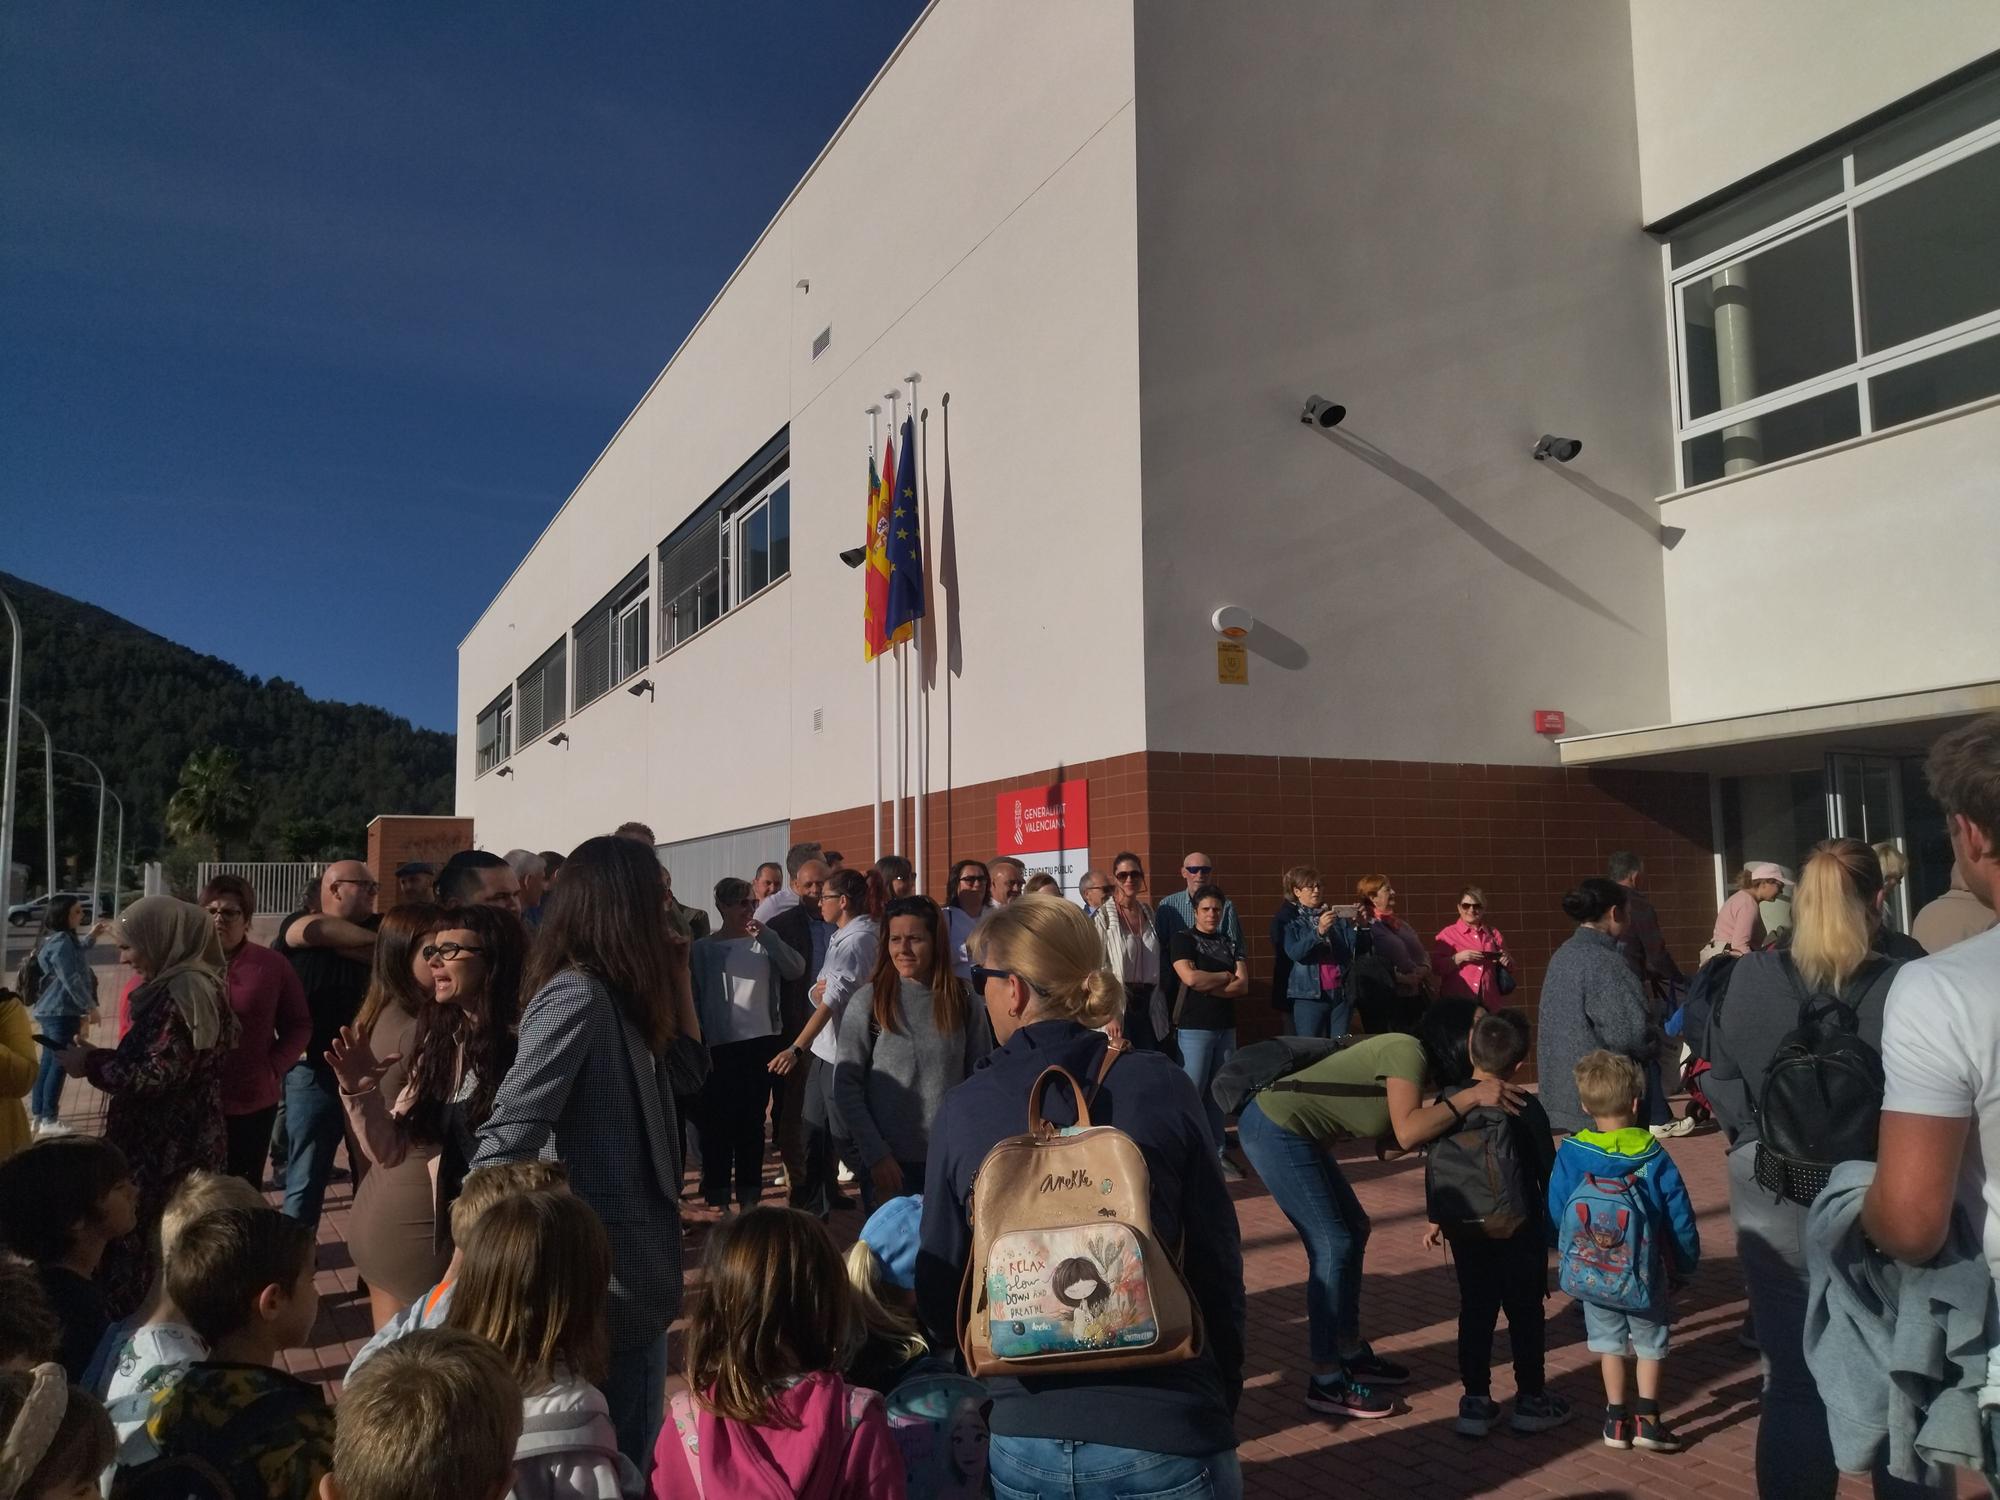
{"x":1548,"y":721}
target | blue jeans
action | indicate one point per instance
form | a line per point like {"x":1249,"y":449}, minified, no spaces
{"x":1307,"y":1185}
{"x":1060,"y":1469}
{"x":1327,"y":1018}
{"x":635,"y":1390}
{"x":49,"y":1080}
{"x":1202,"y":1054}
{"x":314,"y":1124}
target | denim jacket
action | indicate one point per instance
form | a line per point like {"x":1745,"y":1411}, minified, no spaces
{"x":1308,"y":948}
{"x":67,"y":987}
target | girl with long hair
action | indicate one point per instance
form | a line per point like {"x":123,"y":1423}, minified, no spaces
{"x":460,"y":1048}
{"x":1835,"y":954}
{"x":65,"y":1002}
{"x":907,"y":1039}
{"x":609,"y":1042}
{"x":392,"y":1230}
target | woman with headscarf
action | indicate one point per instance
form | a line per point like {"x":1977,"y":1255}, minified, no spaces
{"x":164,"y":1078}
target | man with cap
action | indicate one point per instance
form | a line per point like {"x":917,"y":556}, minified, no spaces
{"x":414,"y":880}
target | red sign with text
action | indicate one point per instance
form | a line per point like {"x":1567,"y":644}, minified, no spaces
{"x":1549,"y":721}
{"x":1037,"y":819}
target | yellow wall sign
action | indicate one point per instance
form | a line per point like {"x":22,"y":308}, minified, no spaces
{"x":1232,"y":664}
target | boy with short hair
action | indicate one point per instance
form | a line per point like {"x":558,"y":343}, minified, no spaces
{"x":1510,"y":1273}
{"x":243,"y":1279}
{"x":62,"y":1201}
{"x":1623,"y":1225}
{"x":482,"y":1189}
{"x":438,"y":1413}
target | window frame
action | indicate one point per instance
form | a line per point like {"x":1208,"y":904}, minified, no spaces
{"x":556,"y":655}
{"x":501,"y":711}
{"x":1840,"y":207}
{"x":732,"y":510}
{"x":631,"y":592}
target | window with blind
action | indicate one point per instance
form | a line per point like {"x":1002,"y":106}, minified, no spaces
{"x":494,"y":732}
{"x":538,"y":695}
{"x":610,"y":640}
{"x":725,"y":555}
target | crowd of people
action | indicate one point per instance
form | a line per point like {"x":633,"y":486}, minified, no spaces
{"x":522,"y":1056}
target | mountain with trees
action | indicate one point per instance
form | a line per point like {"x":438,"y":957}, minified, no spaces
{"x":206,"y":757}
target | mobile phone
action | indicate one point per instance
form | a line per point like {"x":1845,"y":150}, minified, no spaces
{"x":1349,"y":910}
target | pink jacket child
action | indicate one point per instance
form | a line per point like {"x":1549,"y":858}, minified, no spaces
{"x":839,"y":1449}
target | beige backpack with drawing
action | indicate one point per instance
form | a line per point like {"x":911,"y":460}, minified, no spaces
{"x":1066,"y":1275}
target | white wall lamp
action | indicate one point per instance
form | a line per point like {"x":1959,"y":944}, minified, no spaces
{"x":1232,"y":622}
{"x":642,"y":688}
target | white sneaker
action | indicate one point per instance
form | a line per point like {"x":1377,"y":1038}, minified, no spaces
{"x":1682,"y":1126}
{"x":56,"y":1127}
{"x":843,"y":1176}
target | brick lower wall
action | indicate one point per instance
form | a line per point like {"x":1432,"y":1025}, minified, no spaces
{"x":1523,"y":833}
{"x":394,"y":841}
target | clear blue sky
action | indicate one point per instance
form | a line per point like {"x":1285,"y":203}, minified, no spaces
{"x":312,"y":314}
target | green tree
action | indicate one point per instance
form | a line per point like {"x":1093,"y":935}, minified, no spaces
{"x":212,"y":804}
{"x":308,"y":839}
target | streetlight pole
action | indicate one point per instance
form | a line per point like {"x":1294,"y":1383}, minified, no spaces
{"x":48,"y":774}
{"x":13,"y":755}
{"x":118,"y":854}
{"x":97,"y":849}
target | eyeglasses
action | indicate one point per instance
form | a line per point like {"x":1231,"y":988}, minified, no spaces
{"x":972,"y":880}
{"x":1130,"y":875}
{"x":446,"y":952}
{"x":1471,"y":906}
{"x":1198,"y":869}
{"x":369,"y":886}
{"x":226,"y":913}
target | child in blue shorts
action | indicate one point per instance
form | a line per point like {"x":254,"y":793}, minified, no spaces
{"x":1623,"y":1225}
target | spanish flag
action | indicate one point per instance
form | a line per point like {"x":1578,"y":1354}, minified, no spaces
{"x":875,"y":571}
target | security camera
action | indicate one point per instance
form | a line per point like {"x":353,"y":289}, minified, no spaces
{"x":1562,"y":450}
{"x":1323,"y":413}
{"x":854,"y":557}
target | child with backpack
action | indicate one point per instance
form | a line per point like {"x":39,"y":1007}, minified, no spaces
{"x":768,"y":1413}
{"x":233,"y":1427}
{"x":534,"y":1283}
{"x":62,"y":1202}
{"x":1623,"y":1225}
{"x":1485,"y":1188}
{"x":437,"y":1415}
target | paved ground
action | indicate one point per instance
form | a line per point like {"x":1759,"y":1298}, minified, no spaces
{"x":1410,"y":1312}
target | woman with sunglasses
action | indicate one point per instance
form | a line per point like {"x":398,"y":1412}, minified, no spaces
{"x":738,"y":974}
{"x":907,"y":1039}
{"x":969,"y":901}
{"x":461,"y":1048}
{"x":392,"y":1230}
{"x":1165,"y":1429}
{"x":1470,"y":956}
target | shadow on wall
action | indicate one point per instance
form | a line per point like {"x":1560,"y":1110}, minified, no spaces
{"x":1277,"y":648}
{"x":1641,"y":515}
{"x":1469,"y":521}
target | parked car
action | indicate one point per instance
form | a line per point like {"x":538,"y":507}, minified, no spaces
{"x":31,"y":911}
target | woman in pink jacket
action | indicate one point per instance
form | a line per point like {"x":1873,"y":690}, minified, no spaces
{"x":770,"y":1416}
{"x":1471,"y":955}
{"x":1739,"y":926}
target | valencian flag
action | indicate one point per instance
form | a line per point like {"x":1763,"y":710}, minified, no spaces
{"x":875,"y":571}
{"x":906,"y":545}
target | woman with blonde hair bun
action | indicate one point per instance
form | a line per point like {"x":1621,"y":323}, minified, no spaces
{"x":1835,"y":957}
{"x":1038,"y":969}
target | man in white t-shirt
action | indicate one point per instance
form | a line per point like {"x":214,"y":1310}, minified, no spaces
{"x":1941,"y":1038}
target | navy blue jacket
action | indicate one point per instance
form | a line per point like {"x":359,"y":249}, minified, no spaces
{"x":1183,"y":1408}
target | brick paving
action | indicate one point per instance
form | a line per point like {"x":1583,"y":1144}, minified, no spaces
{"x":1409,"y":1311}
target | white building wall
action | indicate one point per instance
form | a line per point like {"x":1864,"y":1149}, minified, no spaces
{"x":1428,"y":211}
{"x":974,"y":220}
{"x":1727,"y":87}
{"x":1846,"y":575}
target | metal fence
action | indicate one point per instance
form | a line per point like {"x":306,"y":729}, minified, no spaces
{"x":280,"y":888}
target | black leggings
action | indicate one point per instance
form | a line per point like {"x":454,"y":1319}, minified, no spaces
{"x":1492,"y":1274}
{"x":733,"y":1105}
{"x":249,"y":1138}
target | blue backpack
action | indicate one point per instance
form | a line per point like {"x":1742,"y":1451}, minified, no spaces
{"x":1605,"y":1234}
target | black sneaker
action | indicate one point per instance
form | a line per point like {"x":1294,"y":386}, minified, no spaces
{"x":1654,"y":1435}
{"x":1618,"y":1432}
{"x":1476,"y":1416}
{"x":1539,"y":1413}
{"x":1369,"y":1368}
{"x":1343,"y":1398}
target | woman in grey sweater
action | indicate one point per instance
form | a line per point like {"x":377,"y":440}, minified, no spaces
{"x":906,"y":1039}
{"x":1835,"y":949}
{"x":1590,"y":999}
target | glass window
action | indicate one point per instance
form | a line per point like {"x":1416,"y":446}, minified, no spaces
{"x":1938,"y":123}
{"x":1966,"y":374}
{"x":1790,"y":430}
{"x":756,"y":529}
{"x":781,"y":531}
{"x":1930,"y":252}
{"x":737,"y":546}
{"x":1768,"y":321}
{"x":493,"y":733}
{"x":1756,"y":210}
{"x":631,"y":640}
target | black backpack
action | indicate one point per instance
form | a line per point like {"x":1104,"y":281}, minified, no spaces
{"x":1267,"y":1066}
{"x":29,"y":981}
{"x":1475,"y":1183}
{"x":212,"y":1469}
{"x":1704,"y":998}
{"x":1821,"y":1103}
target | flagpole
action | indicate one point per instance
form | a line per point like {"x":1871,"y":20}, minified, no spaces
{"x":875,"y":811}
{"x":923,"y":692}
{"x":902,"y":708}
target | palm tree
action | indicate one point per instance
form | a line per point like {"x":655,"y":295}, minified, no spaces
{"x":212,"y":802}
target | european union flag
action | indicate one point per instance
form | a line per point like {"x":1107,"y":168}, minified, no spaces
{"x":906,"y":544}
